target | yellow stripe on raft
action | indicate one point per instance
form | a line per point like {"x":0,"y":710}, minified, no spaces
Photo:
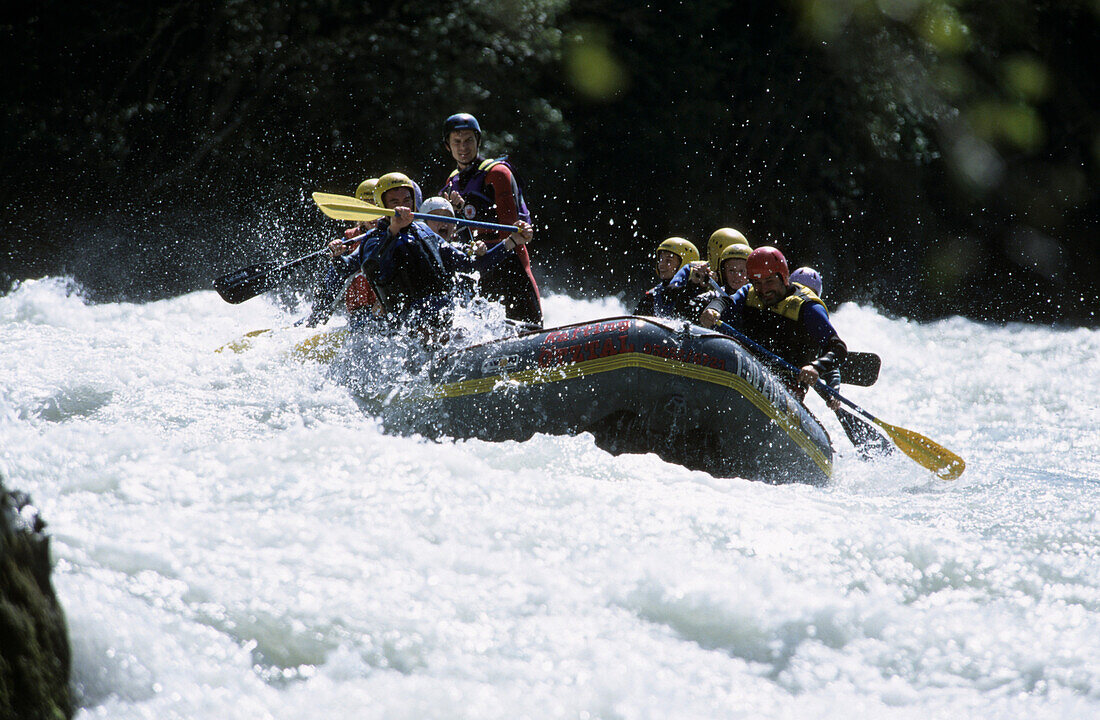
{"x":538,"y":376}
{"x":321,"y":347}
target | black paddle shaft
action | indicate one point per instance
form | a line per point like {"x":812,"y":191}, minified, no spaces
{"x":248,"y":282}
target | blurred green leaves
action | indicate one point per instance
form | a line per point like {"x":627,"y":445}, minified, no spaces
{"x":849,"y":132}
{"x":591,"y":64}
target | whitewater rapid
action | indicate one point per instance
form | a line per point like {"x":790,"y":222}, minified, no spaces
{"x":235,"y":539}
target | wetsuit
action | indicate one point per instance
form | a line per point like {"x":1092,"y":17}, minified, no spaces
{"x":491,"y":193}
{"x":414,"y":272}
{"x":796,"y":329}
{"x":677,"y":298}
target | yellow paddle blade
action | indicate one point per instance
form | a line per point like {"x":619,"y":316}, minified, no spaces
{"x":944,"y":463}
{"x":321,"y":347}
{"x":244,"y":342}
{"x":343,"y":207}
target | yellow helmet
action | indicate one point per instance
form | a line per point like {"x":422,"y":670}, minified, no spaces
{"x":365,"y":191}
{"x":734,"y":250}
{"x":388,"y":182}
{"x":719,"y":239}
{"x":680,"y":247}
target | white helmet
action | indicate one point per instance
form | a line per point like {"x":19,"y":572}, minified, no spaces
{"x":809,"y":277}
{"x":435,"y":203}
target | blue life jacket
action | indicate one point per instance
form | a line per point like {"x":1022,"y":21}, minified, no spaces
{"x":470,"y":184}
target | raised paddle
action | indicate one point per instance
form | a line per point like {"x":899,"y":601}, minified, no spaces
{"x":343,"y":207}
{"x":926,"y":453}
{"x":248,"y":282}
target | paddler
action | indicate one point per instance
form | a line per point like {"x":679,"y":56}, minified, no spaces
{"x":487,"y":189}
{"x":718,"y":241}
{"x":411,"y":268}
{"x":731,"y":273}
{"x":359,"y":298}
{"x":682,"y":279}
{"x":864,"y":437}
{"x":786,"y":319}
{"x":437,"y":205}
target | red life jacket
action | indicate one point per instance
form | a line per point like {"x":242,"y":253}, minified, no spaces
{"x":359,"y":293}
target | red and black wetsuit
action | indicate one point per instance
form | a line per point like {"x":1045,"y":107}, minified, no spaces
{"x":491,"y":193}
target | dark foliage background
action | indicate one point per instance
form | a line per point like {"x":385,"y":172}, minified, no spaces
{"x":932,"y":156}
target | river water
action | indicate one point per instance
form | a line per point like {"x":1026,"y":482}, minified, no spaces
{"x":234,"y":539}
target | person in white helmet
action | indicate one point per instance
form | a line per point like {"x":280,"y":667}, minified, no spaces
{"x":437,"y":205}
{"x":809,"y":277}
{"x":864,"y":437}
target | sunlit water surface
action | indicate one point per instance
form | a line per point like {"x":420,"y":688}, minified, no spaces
{"x":235,"y":539}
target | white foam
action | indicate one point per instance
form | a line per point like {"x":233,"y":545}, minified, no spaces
{"x":236,"y":540}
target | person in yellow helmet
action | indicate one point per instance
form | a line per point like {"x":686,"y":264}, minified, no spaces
{"x":412,"y":269}
{"x":359,"y":296}
{"x":719,"y":240}
{"x":732,"y":275}
{"x":732,"y":266}
{"x":672,"y":297}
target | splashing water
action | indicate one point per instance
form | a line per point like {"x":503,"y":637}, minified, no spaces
{"x":235,"y":539}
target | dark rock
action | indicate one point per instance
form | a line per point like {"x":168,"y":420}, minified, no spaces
{"x":35,"y":658}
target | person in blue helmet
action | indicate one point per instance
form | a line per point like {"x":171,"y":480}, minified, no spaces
{"x":487,"y":189}
{"x":864,"y":437}
{"x":413,"y":270}
{"x":682,"y":280}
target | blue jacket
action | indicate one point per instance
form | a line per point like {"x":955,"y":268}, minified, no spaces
{"x":797,"y":329}
{"x":414,"y":273}
{"x":676,"y":298}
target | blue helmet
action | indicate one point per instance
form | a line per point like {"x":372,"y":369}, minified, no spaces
{"x":809,"y":277}
{"x":461,"y":121}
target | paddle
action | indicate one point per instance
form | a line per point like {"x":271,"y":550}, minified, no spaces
{"x":860,"y":368}
{"x":926,"y":453}
{"x":248,"y":282}
{"x":321,"y":347}
{"x":343,"y":207}
{"x":244,"y":342}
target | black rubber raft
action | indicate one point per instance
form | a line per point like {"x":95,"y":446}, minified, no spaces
{"x":638,"y":385}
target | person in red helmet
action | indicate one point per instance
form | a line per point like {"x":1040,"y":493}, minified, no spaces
{"x":786,"y":319}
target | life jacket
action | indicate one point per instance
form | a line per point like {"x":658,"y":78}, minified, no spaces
{"x":358,"y":294}
{"x":779,"y":328}
{"x":417,"y":277}
{"x":513,"y":282}
{"x":470,"y":184}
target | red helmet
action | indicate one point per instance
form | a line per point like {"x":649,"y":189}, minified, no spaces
{"x":766,"y":261}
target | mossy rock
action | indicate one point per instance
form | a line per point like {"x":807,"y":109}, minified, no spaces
{"x":35,"y":658}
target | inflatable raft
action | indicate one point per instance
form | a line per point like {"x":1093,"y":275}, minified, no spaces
{"x":637,"y":384}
